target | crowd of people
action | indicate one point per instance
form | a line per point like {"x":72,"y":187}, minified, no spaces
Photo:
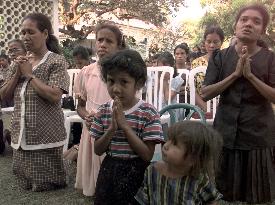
{"x":233,"y":160}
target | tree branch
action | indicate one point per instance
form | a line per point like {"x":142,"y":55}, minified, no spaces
{"x":101,"y":12}
{"x":73,"y":10}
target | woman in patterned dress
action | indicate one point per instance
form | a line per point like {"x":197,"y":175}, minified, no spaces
{"x":213,"y":39}
{"x":37,"y":82}
{"x":91,"y":92}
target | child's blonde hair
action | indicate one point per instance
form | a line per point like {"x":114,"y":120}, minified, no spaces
{"x":203,"y":144}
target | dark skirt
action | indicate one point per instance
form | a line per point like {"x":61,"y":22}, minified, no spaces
{"x":39,"y":170}
{"x":247,"y":175}
{"x":119,"y":180}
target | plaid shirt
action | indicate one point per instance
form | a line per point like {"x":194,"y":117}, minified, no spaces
{"x":36,"y":122}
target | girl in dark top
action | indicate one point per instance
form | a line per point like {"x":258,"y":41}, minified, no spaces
{"x":244,"y":76}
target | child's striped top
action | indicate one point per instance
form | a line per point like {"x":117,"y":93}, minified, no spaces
{"x":144,"y":120}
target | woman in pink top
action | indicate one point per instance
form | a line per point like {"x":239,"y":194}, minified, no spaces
{"x":91,"y":92}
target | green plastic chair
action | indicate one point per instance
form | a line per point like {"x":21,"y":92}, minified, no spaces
{"x":190,"y":109}
{"x":170,"y":118}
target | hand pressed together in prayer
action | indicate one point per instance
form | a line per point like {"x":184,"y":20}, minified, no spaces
{"x":243,"y":66}
{"x":89,"y":119}
{"x":118,"y":117}
{"x":24,"y":65}
{"x":246,"y":64}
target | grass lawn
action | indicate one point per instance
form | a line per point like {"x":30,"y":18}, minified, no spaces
{"x":11,"y":194}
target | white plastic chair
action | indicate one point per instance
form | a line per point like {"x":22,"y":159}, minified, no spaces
{"x":7,"y":110}
{"x":211,"y":104}
{"x":154,"y":86}
{"x":72,"y":74}
{"x":71,"y":116}
{"x":155,"y":95}
{"x":186,"y":93}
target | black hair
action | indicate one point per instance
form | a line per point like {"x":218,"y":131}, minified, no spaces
{"x":3,"y":55}
{"x":197,"y":46}
{"x":90,"y":51}
{"x":256,"y":7}
{"x":168,"y":59}
{"x":155,"y":57}
{"x":19,"y":42}
{"x":262,"y":43}
{"x":202,"y":143}
{"x":119,"y":36}
{"x":184,"y":47}
{"x":214,"y":29}
{"x":81,"y":51}
{"x":43,"y":22}
{"x":129,"y":61}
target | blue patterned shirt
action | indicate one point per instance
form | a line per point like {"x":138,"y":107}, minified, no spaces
{"x":187,"y":190}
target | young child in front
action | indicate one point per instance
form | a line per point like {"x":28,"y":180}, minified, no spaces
{"x":126,"y":129}
{"x":186,"y":174}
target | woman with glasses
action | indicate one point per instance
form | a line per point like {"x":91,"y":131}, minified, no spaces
{"x":4,"y":64}
{"x":16,"y":48}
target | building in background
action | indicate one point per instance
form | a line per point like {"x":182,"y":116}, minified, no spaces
{"x":13,"y":11}
{"x":135,"y":29}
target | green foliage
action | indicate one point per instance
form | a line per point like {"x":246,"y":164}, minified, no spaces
{"x":223,"y":13}
{"x":67,"y":47}
{"x":150,"y":11}
{"x":167,"y":38}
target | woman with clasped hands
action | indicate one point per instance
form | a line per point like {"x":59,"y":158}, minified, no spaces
{"x":37,"y":82}
{"x":244,"y":77}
